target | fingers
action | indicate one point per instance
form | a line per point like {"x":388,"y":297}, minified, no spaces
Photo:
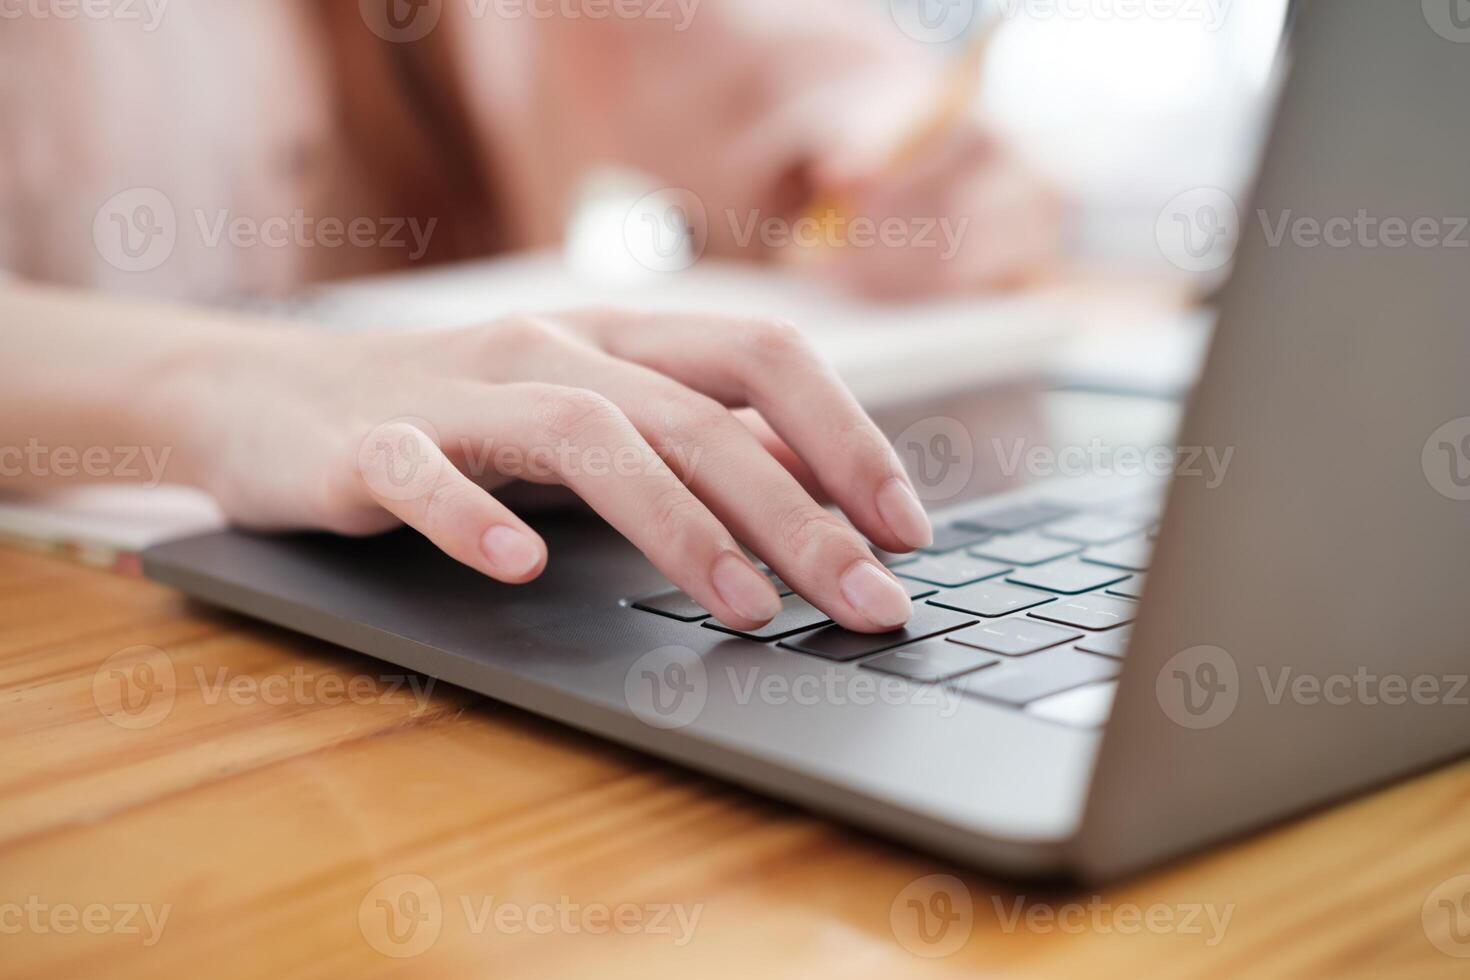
{"x":581,"y":439}
{"x":749,"y":491}
{"x":409,"y":476}
{"x":769,"y":365}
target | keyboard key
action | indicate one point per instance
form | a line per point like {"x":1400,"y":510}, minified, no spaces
{"x":1013,"y":637}
{"x":1131,"y":588}
{"x":1025,"y":549}
{"x":1113,"y":643}
{"x":836,"y":643}
{"x":796,"y":615}
{"x":949,"y":537}
{"x":1094,"y":528}
{"x":1029,"y":679}
{"x":1132,"y":554}
{"x":1081,"y":707}
{"x":1068,"y":576}
{"x":992,"y":599}
{"x":1090,"y":612}
{"x":952,"y":570}
{"x":891,"y":559}
{"x":1016,"y":517}
{"x":915,"y":588}
{"x":674,"y":604}
{"x":930,"y":661}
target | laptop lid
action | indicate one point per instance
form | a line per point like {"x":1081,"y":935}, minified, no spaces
{"x":1305,"y":630}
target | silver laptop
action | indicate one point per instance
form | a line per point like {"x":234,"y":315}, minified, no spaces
{"x":1286,"y":636}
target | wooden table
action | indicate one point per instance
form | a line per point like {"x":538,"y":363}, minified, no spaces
{"x":185,"y":793}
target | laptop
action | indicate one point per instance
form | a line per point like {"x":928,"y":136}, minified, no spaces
{"x":1099,"y":675}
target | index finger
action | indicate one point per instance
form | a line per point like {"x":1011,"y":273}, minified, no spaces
{"x":770,"y":366}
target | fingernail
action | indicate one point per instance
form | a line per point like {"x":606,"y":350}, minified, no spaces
{"x":511,"y":552}
{"x":744,"y":589}
{"x":904,"y":515}
{"x":878,"y":597}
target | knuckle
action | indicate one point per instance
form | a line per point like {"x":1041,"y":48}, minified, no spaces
{"x":519,"y":334}
{"x":577,"y":416}
{"x":676,"y":518}
{"x":804,"y":530}
{"x":445,"y":503}
{"x":775,"y":341}
{"x":689,"y":417}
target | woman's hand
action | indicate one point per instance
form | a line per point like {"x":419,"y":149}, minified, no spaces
{"x":631,"y":412}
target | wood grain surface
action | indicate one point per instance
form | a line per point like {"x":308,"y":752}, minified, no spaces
{"x":184,"y":793}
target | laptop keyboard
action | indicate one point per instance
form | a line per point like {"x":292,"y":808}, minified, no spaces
{"x":1026,"y":605}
